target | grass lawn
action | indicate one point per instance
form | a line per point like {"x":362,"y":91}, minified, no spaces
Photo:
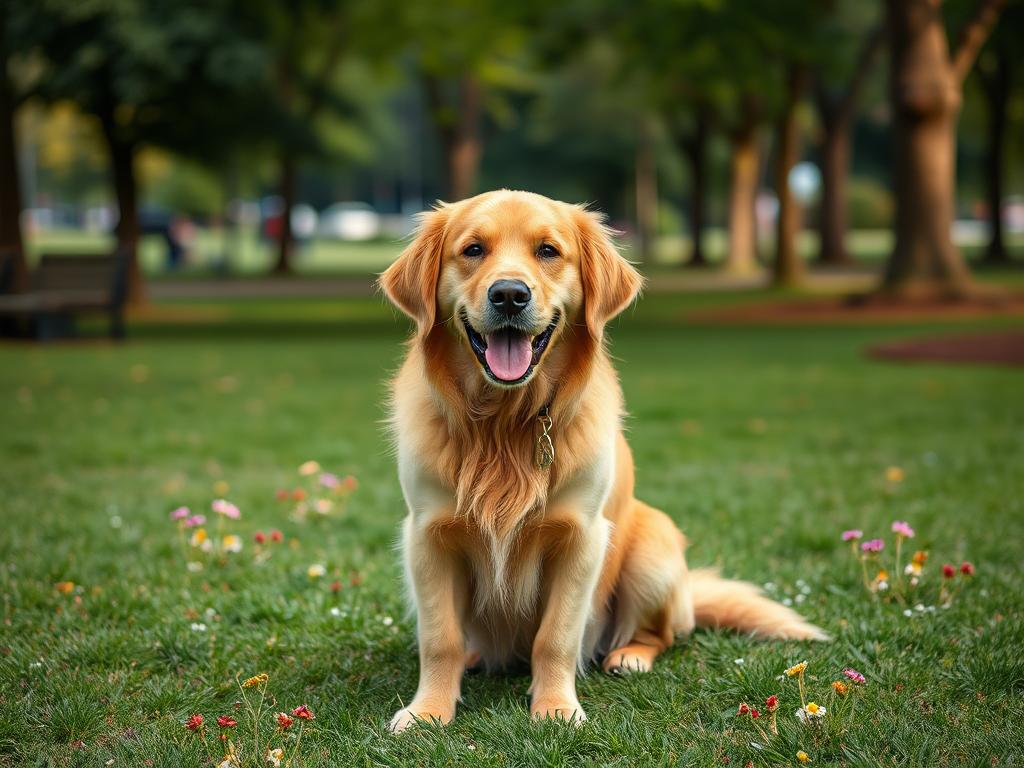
{"x":763,"y":443}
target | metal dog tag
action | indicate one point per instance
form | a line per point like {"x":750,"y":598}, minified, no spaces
{"x":545,"y":453}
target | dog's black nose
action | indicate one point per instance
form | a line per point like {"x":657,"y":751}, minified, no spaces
{"x":509,"y":297}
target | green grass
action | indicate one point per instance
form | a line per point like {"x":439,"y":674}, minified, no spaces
{"x":762,"y":443}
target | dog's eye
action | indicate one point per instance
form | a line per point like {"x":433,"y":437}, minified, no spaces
{"x":473,"y":251}
{"x":547,"y":251}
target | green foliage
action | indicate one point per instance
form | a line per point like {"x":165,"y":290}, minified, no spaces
{"x":871,"y":204}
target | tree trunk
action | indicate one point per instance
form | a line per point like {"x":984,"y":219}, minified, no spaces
{"x":646,"y":191}
{"x":122,"y":161}
{"x":286,"y":191}
{"x":741,"y":257}
{"x":466,"y":150}
{"x":695,"y":148}
{"x":789,"y":267}
{"x":996,"y":85}
{"x":835,"y":172}
{"x":10,"y":191}
{"x":925,"y":95}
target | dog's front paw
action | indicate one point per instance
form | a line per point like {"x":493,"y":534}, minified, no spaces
{"x":552,"y":708}
{"x":408,"y":717}
{"x":625,"y":663}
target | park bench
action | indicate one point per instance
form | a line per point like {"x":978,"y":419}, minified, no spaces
{"x":63,"y":287}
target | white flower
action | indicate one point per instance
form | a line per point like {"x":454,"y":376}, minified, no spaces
{"x":787,"y":601}
{"x":116,"y":521}
{"x":739,"y":662}
{"x":198,"y":626}
{"x":335,"y":611}
{"x":232,"y":543}
{"x":810,"y":713}
{"x":194,"y":567}
{"x":324,"y":506}
{"x":388,"y":621}
{"x":882,"y":586}
{"x":801,"y":597}
{"x":316,"y":571}
{"x":275,"y":756}
{"x":908,"y":613}
{"x":919,"y":607}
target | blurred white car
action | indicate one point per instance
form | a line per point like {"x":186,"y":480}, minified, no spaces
{"x":349,"y":221}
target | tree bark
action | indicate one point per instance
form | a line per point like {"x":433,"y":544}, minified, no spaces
{"x":789,"y":267}
{"x":996,"y":86}
{"x":926,"y":95}
{"x":741,"y":257}
{"x":286,"y":191}
{"x":646,"y":193}
{"x":10,"y":190}
{"x":466,"y":150}
{"x":836,"y":112}
{"x":695,"y":149}
{"x":122,"y":161}
{"x":835,"y":171}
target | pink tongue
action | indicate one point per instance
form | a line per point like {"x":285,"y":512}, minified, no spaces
{"x":508,"y":354}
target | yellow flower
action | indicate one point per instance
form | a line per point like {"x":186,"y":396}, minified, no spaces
{"x":309,"y":468}
{"x":221,"y":488}
{"x":803,"y":757}
{"x":812,"y":708}
{"x":894,"y":475}
{"x":882,"y":575}
{"x":65,"y":587}
{"x":840,"y":687}
{"x":275,"y":756}
{"x":232,"y":543}
{"x":796,"y":669}
{"x":198,"y":537}
{"x":920,"y":557}
{"x":316,"y":571}
{"x":255,"y":680}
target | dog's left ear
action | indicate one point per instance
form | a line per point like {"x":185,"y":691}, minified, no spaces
{"x":610,"y":282}
{"x":411,"y":282}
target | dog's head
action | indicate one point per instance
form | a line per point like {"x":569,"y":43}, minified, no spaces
{"x":508,"y":272}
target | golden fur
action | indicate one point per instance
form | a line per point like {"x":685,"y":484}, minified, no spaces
{"x":506,"y":560}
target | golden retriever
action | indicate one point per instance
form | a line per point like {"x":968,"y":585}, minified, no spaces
{"x":524,"y":539}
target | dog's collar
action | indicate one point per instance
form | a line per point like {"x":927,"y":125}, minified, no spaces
{"x":545,"y":452}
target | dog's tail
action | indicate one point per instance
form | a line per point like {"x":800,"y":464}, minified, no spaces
{"x":719,"y":602}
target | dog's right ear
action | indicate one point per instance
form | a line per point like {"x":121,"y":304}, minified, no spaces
{"x":411,"y":282}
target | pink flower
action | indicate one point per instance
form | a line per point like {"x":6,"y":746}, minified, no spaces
{"x":771,"y":703}
{"x":226,"y":721}
{"x":743,"y":709}
{"x":181,"y":513}
{"x":284,"y":722}
{"x":967,"y":569}
{"x":874,"y":545}
{"x":276,"y":536}
{"x":195,"y":520}
{"x":303,"y":713}
{"x":948,"y":571}
{"x":328,"y":480}
{"x":854,"y":675}
{"x":194,"y":723}
{"x":754,"y":713}
{"x":902,"y":528}
{"x":853,"y":534}
{"x":260,"y":537}
{"x":226,"y":508}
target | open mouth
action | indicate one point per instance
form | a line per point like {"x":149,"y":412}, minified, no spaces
{"x":508,"y":354}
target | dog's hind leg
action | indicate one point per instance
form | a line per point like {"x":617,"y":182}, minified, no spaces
{"x":652,"y":597}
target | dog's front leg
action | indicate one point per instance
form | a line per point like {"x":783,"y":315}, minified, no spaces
{"x":556,"y":653}
{"x":437,"y":583}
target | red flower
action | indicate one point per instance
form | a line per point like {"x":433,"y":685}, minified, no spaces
{"x":771,"y":703}
{"x":967,"y":569}
{"x":743,"y":709}
{"x":284,"y":722}
{"x":303,"y":713}
{"x":335,"y":586}
{"x":276,"y":536}
{"x":350,"y":483}
{"x":754,"y":713}
{"x":282,"y":494}
{"x":298,"y":494}
{"x":260,"y":537}
{"x":194,"y":723}
{"x":226,"y":721}
{"x":948,"y":571}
